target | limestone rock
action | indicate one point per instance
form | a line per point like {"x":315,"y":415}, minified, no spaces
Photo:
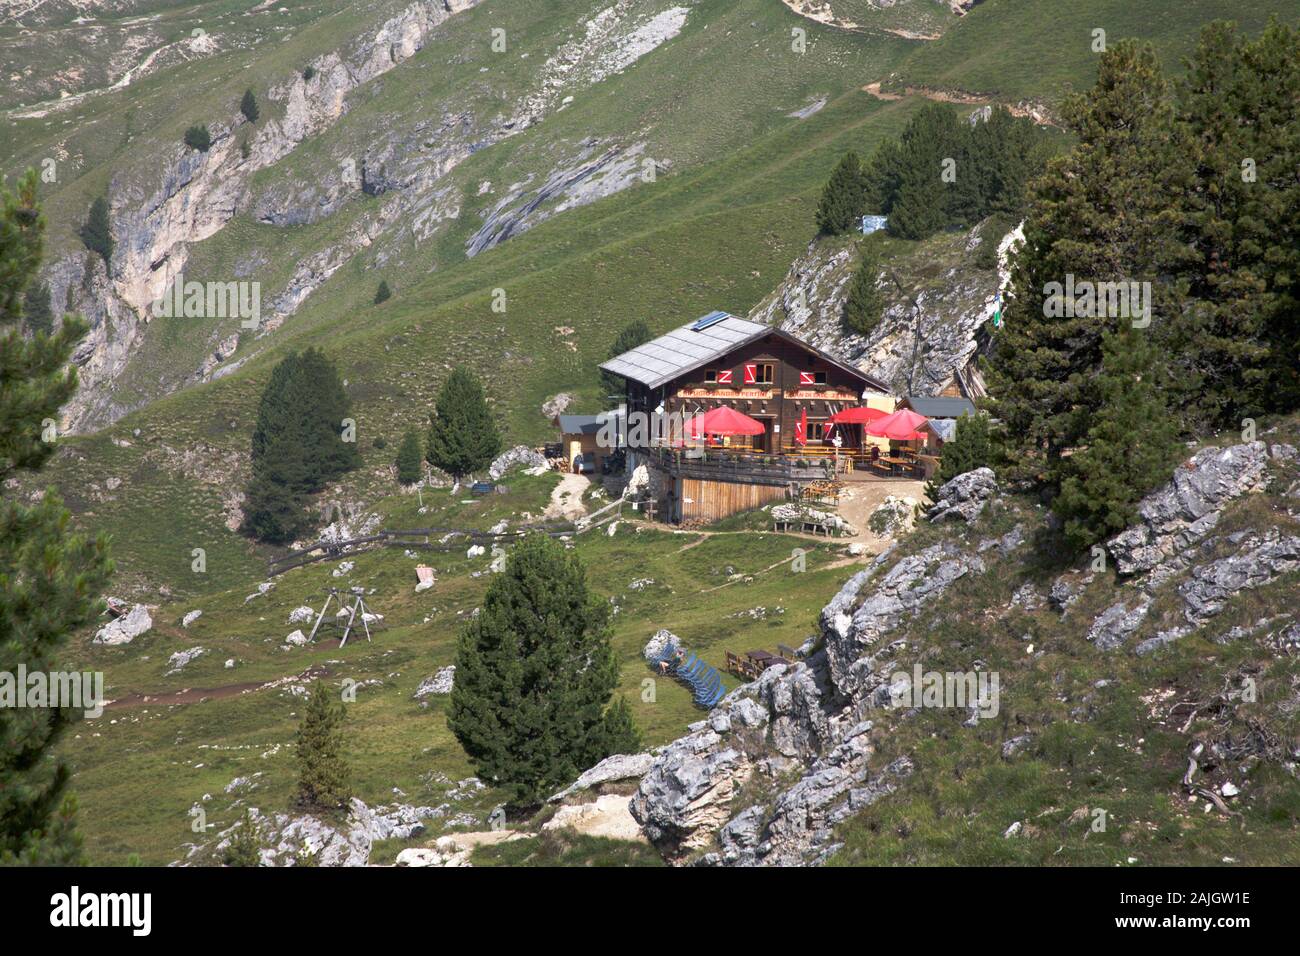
{"x":178,"y":660}
{"x":1115,"y":625}
{"x":964,"y":497}
{"x":126,"y":628}
{"x":190,"y":618}
{"x":520,"y":455}
{"x":614,"y":768}
{"x":440,"y":683}
{"x":1209,"y":588}
{"x":301,"y":615}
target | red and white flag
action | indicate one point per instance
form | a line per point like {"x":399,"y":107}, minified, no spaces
{"x":751,"y":374}
{"x":724,"y":376}
{"x":806,"y":378}
{"x":801,"y":428}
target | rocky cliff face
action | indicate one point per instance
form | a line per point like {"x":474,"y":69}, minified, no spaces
{"x":925,"y":338}
{"x":767,"y":776}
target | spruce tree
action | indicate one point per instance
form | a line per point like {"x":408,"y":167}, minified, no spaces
{"x":1113,"y":209}
{"x":462,"y":437}
{"x":323,"y":774}
{"x":37,"y":314}
{"x":864,"y":303}
{"x":245,"y":844}
{"x":969,"y":448}
{"x":633,"y":334}
{"x":1132,"y":444}
{"x":844,"y":197}
{"x":96,"y":232}
{"x":248,"y":106}
{"x":51,"y":576}
{"x":922,"y":204}
{"x":409,"y":457}
{"x":198,"y":137}
{"x":383,"y":293}
{"x":534,"y":675}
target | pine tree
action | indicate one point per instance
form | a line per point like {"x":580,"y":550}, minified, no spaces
{"x":96,"y":233}
{"x":298,"y":445}
{"x":462,"y":438}
{"x":198,"y":137}
{"x":844,"y":197}
{"x":323,"y":774}
{"x":245,"y":844}
{"x":1113,"y":209}
{"x":248,"y":106}
{"x":633,"y":334}
{"x":1132,"y":444}
{"x":970,"y":447}
{"x":922,"y":204}
{"x":51,"y":576}
{"x":409,"y":457}
{"x":864,"y":303}
{"x":383,"y":293}
{"x":534,"y":675}
{"x":37,"y":314}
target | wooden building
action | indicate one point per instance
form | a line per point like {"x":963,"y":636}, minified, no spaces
{"x":765,"y":373}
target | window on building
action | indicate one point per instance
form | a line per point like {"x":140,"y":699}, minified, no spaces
{"x":819,"y":378}
{"x":710,"y":375}
{"x":816,"y":431}
{"x":766,"y":373}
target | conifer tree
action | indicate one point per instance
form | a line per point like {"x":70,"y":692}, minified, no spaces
{"x":248,"y":106}
{"x":864,"y":303}
{"x":1132,"y":444}
{"x":96,"y":232}
{"x":323,"y":774}
{"x":633,"y":334}
{"x":37,"y":314}
{"x":198,"y":137}
{"x":462,"y":438}
{"x":383,"y":293}
{"x":51,"y":576}
{"x":409,"y":457}
{"x":534,"y":675}
{"x":922,"y":204}
{"x":970,"y":447}
{"x":1113,"y":209}
{"x":844,"y":197}
{"x":245,"y":844}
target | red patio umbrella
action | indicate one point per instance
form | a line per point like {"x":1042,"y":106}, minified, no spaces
{"x":857,"y":415}
{"x":723,"y":421}
{"x":903,"y":425}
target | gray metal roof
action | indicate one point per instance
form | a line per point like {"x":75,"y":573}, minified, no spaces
{"x":939,"y":406}
{"x":945,"y":428}
{"x":580,"y":424}
{"x":685,"y":349}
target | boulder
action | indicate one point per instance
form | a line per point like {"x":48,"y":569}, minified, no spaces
{"x":614,"y":768}
{"x":607,"y":816}
{"x":520,"y":455}
{"x":964,"y":497}
{"x":1259,"y":561}
{"x":181,"y":658}
{"x":297,"y":638}
{"x":1115,"y":625}
{"x":301,"y":615}
{"x":190,"y":618}
{"x":659,"y":642}
{"x":439,"y":683}
{"x":126,"y":628}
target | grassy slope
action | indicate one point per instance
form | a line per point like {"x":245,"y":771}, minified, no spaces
{"x":1042,"y":49}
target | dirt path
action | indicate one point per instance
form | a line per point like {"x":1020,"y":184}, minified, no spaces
{"x":820,"y":12}
{"x":1038,"y":114}
{"x":566,"y":498}
{"x":196,"y":695}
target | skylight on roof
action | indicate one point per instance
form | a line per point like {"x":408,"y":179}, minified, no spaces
{"x":713,"y":318}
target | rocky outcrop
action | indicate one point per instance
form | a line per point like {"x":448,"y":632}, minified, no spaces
{"x":614,"y":769}
{"x":1115,"y":625}
{"x":964,"y":497}
{"x":1183,"y":512}
{"x":520,"y":456}
{"x":1258,"y":562}
{"x":439,"y":684}
{"x":126,"y":628}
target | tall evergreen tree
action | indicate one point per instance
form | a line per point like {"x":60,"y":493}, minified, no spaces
{"x":971,"y":447}
{"x":96,"y":232}
{"x":844,"y":198}
{"x":1240,"y":104}
{"x":633,"y":334}
{"x":298,"y":445}
{"x":409,"y":457}
{"x":323,"y":774}
{"x":383,"y":293}
{"x":534,"y":675}
{"x":864,"y":303}
{"x":1113,"y":209}
{"x":50,"y":577}
{"x":1131,"y":446}
{"x":37,"y":314}
{"x":922,"y":204}
{"x":248,"y":106}
{"x":462,"y":438}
